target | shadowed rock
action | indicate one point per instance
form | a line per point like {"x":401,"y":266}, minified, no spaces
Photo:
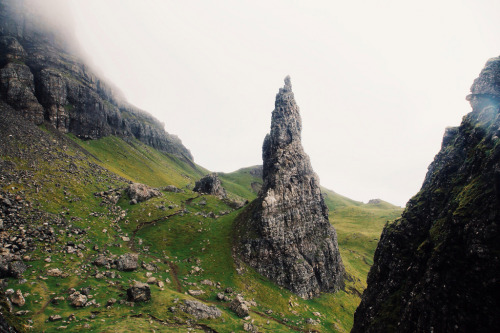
{"x":210,"y":184}
{"x":285,"y":233}
{"x":139,"y":292}
{"x":437,"y":268}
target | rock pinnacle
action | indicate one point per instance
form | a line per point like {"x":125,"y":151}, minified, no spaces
{"x":285,"y":233}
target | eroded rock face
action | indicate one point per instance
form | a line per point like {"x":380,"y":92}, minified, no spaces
{"x":437,"y":268}
{"x":42,"y":77}
{"x":210,"y":184}
{"x":285,"y":233}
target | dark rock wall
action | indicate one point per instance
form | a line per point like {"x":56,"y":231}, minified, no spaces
{"x":42,"y":78}
{"x":285,"y":233}
{"x":437,"y":269}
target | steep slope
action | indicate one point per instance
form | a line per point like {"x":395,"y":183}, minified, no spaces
{"x":437,"y":268}
{"x":63,"y":195}
{"x":285,"y":233}
{"x":42,"y":77}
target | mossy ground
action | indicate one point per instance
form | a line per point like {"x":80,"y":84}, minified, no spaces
{"x":188,"y":243}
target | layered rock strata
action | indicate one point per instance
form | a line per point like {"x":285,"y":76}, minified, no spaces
{"x":285,"y":233}
{"x":42,"y":77}
{"x":437,"y":268}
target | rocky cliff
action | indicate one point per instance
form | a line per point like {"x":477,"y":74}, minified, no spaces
{"x":437,"y":268}
{"x":285,"y":233}
{"x":42,"y":76}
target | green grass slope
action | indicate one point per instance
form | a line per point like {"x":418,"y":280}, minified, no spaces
{"x":187,"y":238}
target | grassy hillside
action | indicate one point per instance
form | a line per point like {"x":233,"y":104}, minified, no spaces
{"x":184,"y":237}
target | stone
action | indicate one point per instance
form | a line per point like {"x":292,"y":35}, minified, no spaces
{"x":139,"y":292}
{"x":17,"y":298}
{"x":210,"y":184}
{"x":77,"y":299}
{"x":173,"y":189}
{"x":195,"y":292}
{"x":207,"y":282}
{"x":240,"y":307}
{"x":141,"y":192}
{"x":100,"y":261}
{"x":55,"y":318}
{"x":285,"y":233}
{"x":111,"y":302}
{"x":250,"y":327}
{"x":56,"y":272}
{"x":200,"y":310}
{"x":127,"y":262}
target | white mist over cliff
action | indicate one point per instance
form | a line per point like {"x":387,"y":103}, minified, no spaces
{"x":377,"y":82}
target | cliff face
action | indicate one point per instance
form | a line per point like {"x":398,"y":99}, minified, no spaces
{"x":41,"y":77}
{"x":285,"y":233}
{"x":437,"y":268}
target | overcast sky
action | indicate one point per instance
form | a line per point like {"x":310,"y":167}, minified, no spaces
{"x":377,"y":82}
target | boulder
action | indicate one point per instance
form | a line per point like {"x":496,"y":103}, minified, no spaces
{"x":127,"y":262}
{"x":77,"y":299}
{"x":17,"y":298}
{"x":240,"y":306}
{"x":141,"y":192}
{"x":173,"y":189}
{"x":139,"y":292}
{"x":210,"y":184}
{"x":200,"y":310}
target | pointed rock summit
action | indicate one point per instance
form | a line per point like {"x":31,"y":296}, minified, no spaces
{"x":285,"y":233}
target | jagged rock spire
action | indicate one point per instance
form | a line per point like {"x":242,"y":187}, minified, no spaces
{"x":285,"y":233}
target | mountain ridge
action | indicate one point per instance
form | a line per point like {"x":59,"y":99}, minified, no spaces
{"x":42,"y":78}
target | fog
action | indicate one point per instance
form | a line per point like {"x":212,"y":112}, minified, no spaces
{"x":377,"y":82}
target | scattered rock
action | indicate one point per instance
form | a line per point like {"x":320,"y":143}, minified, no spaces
{"x":250,"y":327}
{"x":173,"y":189}
{"x":56,"y":272}
{"x":195,"y":292}
{"x":207,"y":282}
{"x":141,"y":192}
{"x":111,"y":301}
{"x":200,"y":310}
{"x":77,"y":299}
{"x":17,"y":298}
{"x":55,"y":318}
{"x":127,"y":262}
{"x":139,"y":292}
{"x":210,"y":184}
{"x":240,"y":306}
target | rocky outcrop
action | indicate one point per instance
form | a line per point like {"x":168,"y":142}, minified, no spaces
{"x":437,"y":268}
{"x":285,"y":233}
{"x":210,"y":184}
{"x":43,"y":79}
